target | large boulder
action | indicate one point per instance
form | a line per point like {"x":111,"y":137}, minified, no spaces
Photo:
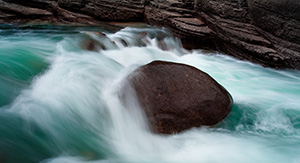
{"x":176,"y":97}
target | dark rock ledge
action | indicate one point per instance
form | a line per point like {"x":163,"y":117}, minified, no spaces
{"x":262,"y":31}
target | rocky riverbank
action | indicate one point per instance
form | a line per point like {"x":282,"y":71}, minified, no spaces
{"x":262,"y":31}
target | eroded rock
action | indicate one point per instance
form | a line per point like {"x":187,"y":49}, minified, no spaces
{"x":261,"y":31}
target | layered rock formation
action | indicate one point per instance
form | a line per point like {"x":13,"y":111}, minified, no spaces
{"x":180,"y":18}
{"x":176,"y":97}
{"x":262,"y":31}
{"x":68,"y":11}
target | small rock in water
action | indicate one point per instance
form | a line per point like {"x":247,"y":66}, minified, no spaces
{"x":89,"y":44}
{"x":123,"y":42}
{"x":142,"y":39}
{"x":97,"y":41}
{"x":176,"y":97}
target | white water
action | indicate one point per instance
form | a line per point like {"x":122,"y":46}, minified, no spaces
{"x":76,"y":103}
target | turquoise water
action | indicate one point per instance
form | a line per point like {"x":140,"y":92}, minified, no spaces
{"x":59,"y":102}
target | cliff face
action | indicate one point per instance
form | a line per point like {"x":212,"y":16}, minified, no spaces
{"x":262,"y":31}
{"x":107,"y":10}
{"x":68,"y":11}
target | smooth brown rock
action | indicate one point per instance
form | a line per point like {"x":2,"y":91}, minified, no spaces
{"x":176,"y":97}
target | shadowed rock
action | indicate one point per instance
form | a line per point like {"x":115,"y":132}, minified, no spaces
{"x":176,"y":97}
{"x":261,"y":31}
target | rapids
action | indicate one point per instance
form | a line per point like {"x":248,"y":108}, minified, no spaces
{"x":59,"y":103}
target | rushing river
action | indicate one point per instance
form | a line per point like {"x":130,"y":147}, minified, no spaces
{"x":59,"y":103}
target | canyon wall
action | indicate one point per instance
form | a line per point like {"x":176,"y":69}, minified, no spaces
{"x":262,"y":31}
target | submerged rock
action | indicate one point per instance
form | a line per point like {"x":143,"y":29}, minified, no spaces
{"x":176,"y":97}
{"x":97,"y":41}
{"x":89,"y":44}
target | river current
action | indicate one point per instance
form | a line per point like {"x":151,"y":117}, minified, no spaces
{"x":59,"y":103}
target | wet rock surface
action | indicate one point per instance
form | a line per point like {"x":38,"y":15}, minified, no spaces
{"x":176,"y":97}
